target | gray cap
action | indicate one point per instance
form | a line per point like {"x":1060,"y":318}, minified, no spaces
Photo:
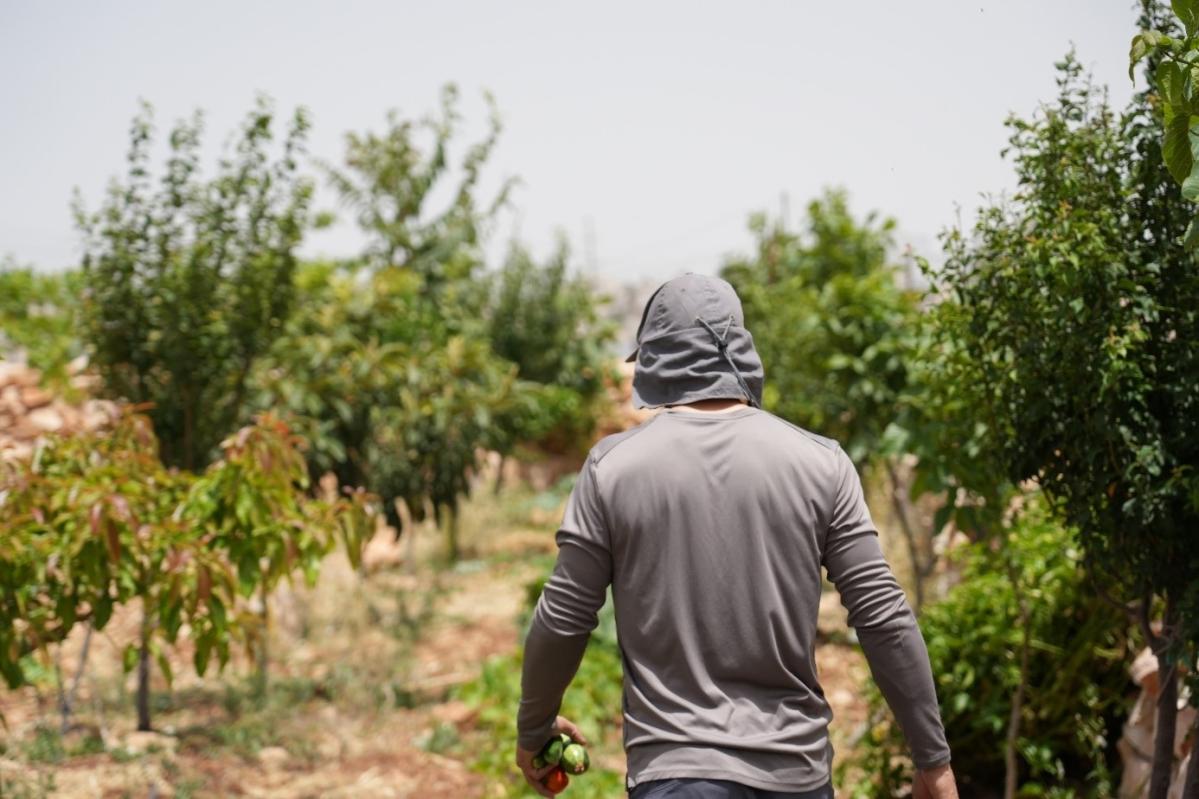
{"x":692,"y":344}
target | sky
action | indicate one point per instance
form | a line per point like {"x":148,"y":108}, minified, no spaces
{"x":645,"y":132}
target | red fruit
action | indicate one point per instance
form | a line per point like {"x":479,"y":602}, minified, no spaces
{"x":557,"y":780}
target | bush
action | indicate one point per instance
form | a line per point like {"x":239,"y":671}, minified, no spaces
{"x":593,"y":701}
{"x":1075,"y":698}
{"x":37,"y":316}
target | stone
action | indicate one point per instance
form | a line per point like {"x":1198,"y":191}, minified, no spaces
{"x":46,"y":420}
{"x":10,"y":400}
{"x":34,"y":397}
{"x":18,"y":374}
{"x":273,"y":757}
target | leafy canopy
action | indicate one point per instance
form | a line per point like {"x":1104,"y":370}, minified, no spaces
{"x":187,"y":281}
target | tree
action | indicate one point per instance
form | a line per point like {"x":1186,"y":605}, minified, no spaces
{"x":388,"y":181}
{"x":834,"y":325}
{"x":38,"y":316}
{"x":188,"y":282}
{"x":1079,"y":320}
{"x":829,"y":317}
{"x":386,"y":365}
{"x":1073,"y":674}
{"x":1171,"y":54}
{"x":95,"y":521}
{"x":547,"y":322}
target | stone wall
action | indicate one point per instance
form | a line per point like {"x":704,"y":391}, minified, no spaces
{"x":29,"y":410}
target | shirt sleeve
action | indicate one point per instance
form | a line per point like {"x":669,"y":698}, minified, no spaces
{"x":566,"y":612}
{"x":883,"y":620}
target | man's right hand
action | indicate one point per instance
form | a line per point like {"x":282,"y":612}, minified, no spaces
{"x":935,"y":783}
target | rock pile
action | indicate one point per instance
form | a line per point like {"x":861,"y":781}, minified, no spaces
{"x":28,"y":410}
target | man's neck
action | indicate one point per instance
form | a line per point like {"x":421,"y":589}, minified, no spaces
{"x":711,"y":405}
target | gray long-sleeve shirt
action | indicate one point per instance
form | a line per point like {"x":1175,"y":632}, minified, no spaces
{"x":711,"y":528}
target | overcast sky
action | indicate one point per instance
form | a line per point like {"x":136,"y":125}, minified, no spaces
{"x":663,"y":123}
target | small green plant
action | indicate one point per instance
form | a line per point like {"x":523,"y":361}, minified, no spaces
{"x":46,"y":745}
{"x":1076,"y":684}
{"x":593,"y":702}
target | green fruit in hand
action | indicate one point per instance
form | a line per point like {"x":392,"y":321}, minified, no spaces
{"x":552,"y":752}
{"x":575,"y":759}
{"x":539,"y":761}
{"x":566,"y":739}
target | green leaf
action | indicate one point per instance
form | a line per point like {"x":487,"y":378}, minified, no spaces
{"x":1190,"y":187}
{"x":203,"y":650}
{"x":942,"y":516}
{"x":129,"y":657}
{"x":1176,"y":149}
{"x":1142,"y":44}
{"x":164,"y":665}
{"x":103,"y":612}
{"x":1188,"y":13}
{"x":1190,"y":239}
{"x":1171,"y":81}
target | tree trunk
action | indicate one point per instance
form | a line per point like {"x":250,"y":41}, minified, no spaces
{"x":143,"y":674}
{"x":263,"y":653}
{"x":1190,"y":786}
{"x":67,"y":697}
{"x":909,"y":534}
{"x":405,"y":515}
{"x":451,"y":533}
{"x":1011,"y":764}
{"x":499,"y":476}
{"x":1167,"y":699}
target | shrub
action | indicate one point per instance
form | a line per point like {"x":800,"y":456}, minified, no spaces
{"x":1075,"y":697}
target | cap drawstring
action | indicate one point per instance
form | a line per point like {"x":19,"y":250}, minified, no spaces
{"x":722,"y":344}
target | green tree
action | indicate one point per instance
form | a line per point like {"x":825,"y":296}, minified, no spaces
{"x":188,"y":281}
{"x":1068,"y":657}
{"x":39,"y":314}
{"x":1079,"y":322}
{"x":95,"y":521}
{"x":386,"y":365}
{"x":834,"y":324}
{"x":547,"y":322}
{"x":388,"y":179}
{"x":829,"y":316}
{"x":1170,"y":48}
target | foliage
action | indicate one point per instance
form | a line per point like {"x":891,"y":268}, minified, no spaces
{"x":95,"y":521}
{"x":830,"y":319}
{"x":385,"y":404}
{"x":547,"y":323}
{"x":1076,"y":685}
{"x":388,"y":181}
{"x":1079,"y":321}
{"x":1171,"y":49}
{"x":187,"y":284}
{"x":88,"y":525}
{"x":592,"y":702}
{"x":385,"y":365}
{"x":388,"y":366}
{"x":38,"y":315}
{"x":834,"y":326}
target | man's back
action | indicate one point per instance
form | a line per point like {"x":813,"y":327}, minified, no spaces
{"x":711,"y":528}
{"x":715,"y":527}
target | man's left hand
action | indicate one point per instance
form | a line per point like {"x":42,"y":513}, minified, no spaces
{"x":524,"y":758}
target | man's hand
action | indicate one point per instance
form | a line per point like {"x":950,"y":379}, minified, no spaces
{"x":524,"y":758}
{"x":935,"y":783}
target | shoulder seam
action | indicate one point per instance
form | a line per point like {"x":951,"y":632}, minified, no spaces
{"x":830,"y":444}
{"x":631,"y":432}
